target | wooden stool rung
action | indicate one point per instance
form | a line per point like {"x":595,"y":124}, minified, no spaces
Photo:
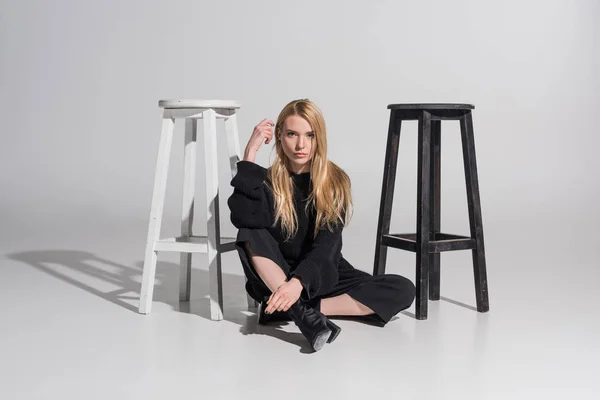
{"x":192,"y":244}
{"x":441,"y":242}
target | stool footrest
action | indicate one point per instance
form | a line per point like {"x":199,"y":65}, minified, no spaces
{"x":440,"y":242}
{"x":192,"y":244}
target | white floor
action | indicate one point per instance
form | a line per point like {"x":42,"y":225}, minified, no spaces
{"x":70,"y":330}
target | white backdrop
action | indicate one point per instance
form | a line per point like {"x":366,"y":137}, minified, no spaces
{"x":80,"y":81}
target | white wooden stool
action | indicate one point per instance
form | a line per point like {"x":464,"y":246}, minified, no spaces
{"x":191,"y":111}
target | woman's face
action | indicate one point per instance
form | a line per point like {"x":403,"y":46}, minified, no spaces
{"x":297,"y":141}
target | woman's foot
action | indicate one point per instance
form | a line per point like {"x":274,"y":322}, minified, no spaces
{"x":315,"y":327}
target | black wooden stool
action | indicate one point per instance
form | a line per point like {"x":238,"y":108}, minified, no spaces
{"x":429,"y":242}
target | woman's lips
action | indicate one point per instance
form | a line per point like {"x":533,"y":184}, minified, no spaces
{"x":300,"y":154}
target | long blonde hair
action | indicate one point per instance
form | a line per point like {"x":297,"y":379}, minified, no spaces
{"x":331,"y":193}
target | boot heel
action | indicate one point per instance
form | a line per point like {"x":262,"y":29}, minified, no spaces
{"x":335,"y":331}
{"x":320,"y":340}
{"x":312,"y":324}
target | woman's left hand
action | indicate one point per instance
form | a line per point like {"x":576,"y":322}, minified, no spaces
{"x":285,"y":296}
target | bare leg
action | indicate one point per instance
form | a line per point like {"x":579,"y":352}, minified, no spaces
{"x":270,"y":273}
{"x":344,"y":305}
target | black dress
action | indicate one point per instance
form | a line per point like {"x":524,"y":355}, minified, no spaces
{"x":317,"y":261}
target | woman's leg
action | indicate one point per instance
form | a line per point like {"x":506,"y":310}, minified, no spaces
{"x":270,"y":273}
{"x":379,"y":297}
{"x":257,"y":247}
{"x":315,"y":327}
{"x":344,"y":305}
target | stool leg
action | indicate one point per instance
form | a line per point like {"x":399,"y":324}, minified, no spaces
{"x":156,"y":211}
{"x":423,"y":202}
{"x":475,"y":218}
{"x":187,"y":209}
{"x":233,"y":144}
{"x":435,"y":208}
{"x":387,"y":192}
{"x":212,"y":218}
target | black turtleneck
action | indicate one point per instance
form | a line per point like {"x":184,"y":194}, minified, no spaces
{"x":313,"y":259}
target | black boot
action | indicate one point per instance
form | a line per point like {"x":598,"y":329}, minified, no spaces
{"x":314,"y":326}
{"x":335,"y":330}
{"x":264,"y":318}
{"x":277,"y":316}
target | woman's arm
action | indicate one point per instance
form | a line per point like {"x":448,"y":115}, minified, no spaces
{"x":318,"y":271}
{"x":248,"y":203}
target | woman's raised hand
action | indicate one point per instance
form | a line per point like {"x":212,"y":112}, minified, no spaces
{"x":263,"y":132}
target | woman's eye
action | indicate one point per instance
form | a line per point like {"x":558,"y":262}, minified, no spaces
{"x":311,"y":135}
{"x":290,"y":134}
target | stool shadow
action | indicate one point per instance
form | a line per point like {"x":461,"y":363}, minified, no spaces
{"x":90,"y":273}
{"x":65,"y":264}
{"x":458,"y":303}
{"x":455,"y":302}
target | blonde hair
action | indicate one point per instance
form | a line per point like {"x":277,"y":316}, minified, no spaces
{"x":331,"y":194}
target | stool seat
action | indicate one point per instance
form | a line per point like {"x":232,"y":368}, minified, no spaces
{"x":430,"y":106}
{"x":195,"y":103}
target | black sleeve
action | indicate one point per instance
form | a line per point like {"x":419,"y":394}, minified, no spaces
{"x":318,"y":271}
{"x":248,"y":203}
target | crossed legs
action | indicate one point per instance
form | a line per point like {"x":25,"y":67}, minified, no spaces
{"x":273,"y":277}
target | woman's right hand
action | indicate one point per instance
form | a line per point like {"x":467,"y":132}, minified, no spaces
{"x":263,"y":132}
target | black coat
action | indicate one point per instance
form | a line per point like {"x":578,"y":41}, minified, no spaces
{"x":317,"y":261}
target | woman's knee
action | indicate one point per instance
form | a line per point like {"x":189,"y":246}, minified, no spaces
{"x":402,"y":286}
{"x":405,"y":284}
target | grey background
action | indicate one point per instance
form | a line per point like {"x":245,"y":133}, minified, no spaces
{"x":80,"y":122}
{"x":79,"y":86}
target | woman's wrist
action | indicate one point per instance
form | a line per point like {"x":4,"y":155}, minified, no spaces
{"x":297,"y":280}
{"x":249,"y":156}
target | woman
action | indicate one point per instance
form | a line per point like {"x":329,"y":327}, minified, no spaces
{"x":290,"y":219}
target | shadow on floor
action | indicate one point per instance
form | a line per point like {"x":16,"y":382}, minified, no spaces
{"x":455,"y":302}
{"x":458,"y":303}
{"x":90,"y":273}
